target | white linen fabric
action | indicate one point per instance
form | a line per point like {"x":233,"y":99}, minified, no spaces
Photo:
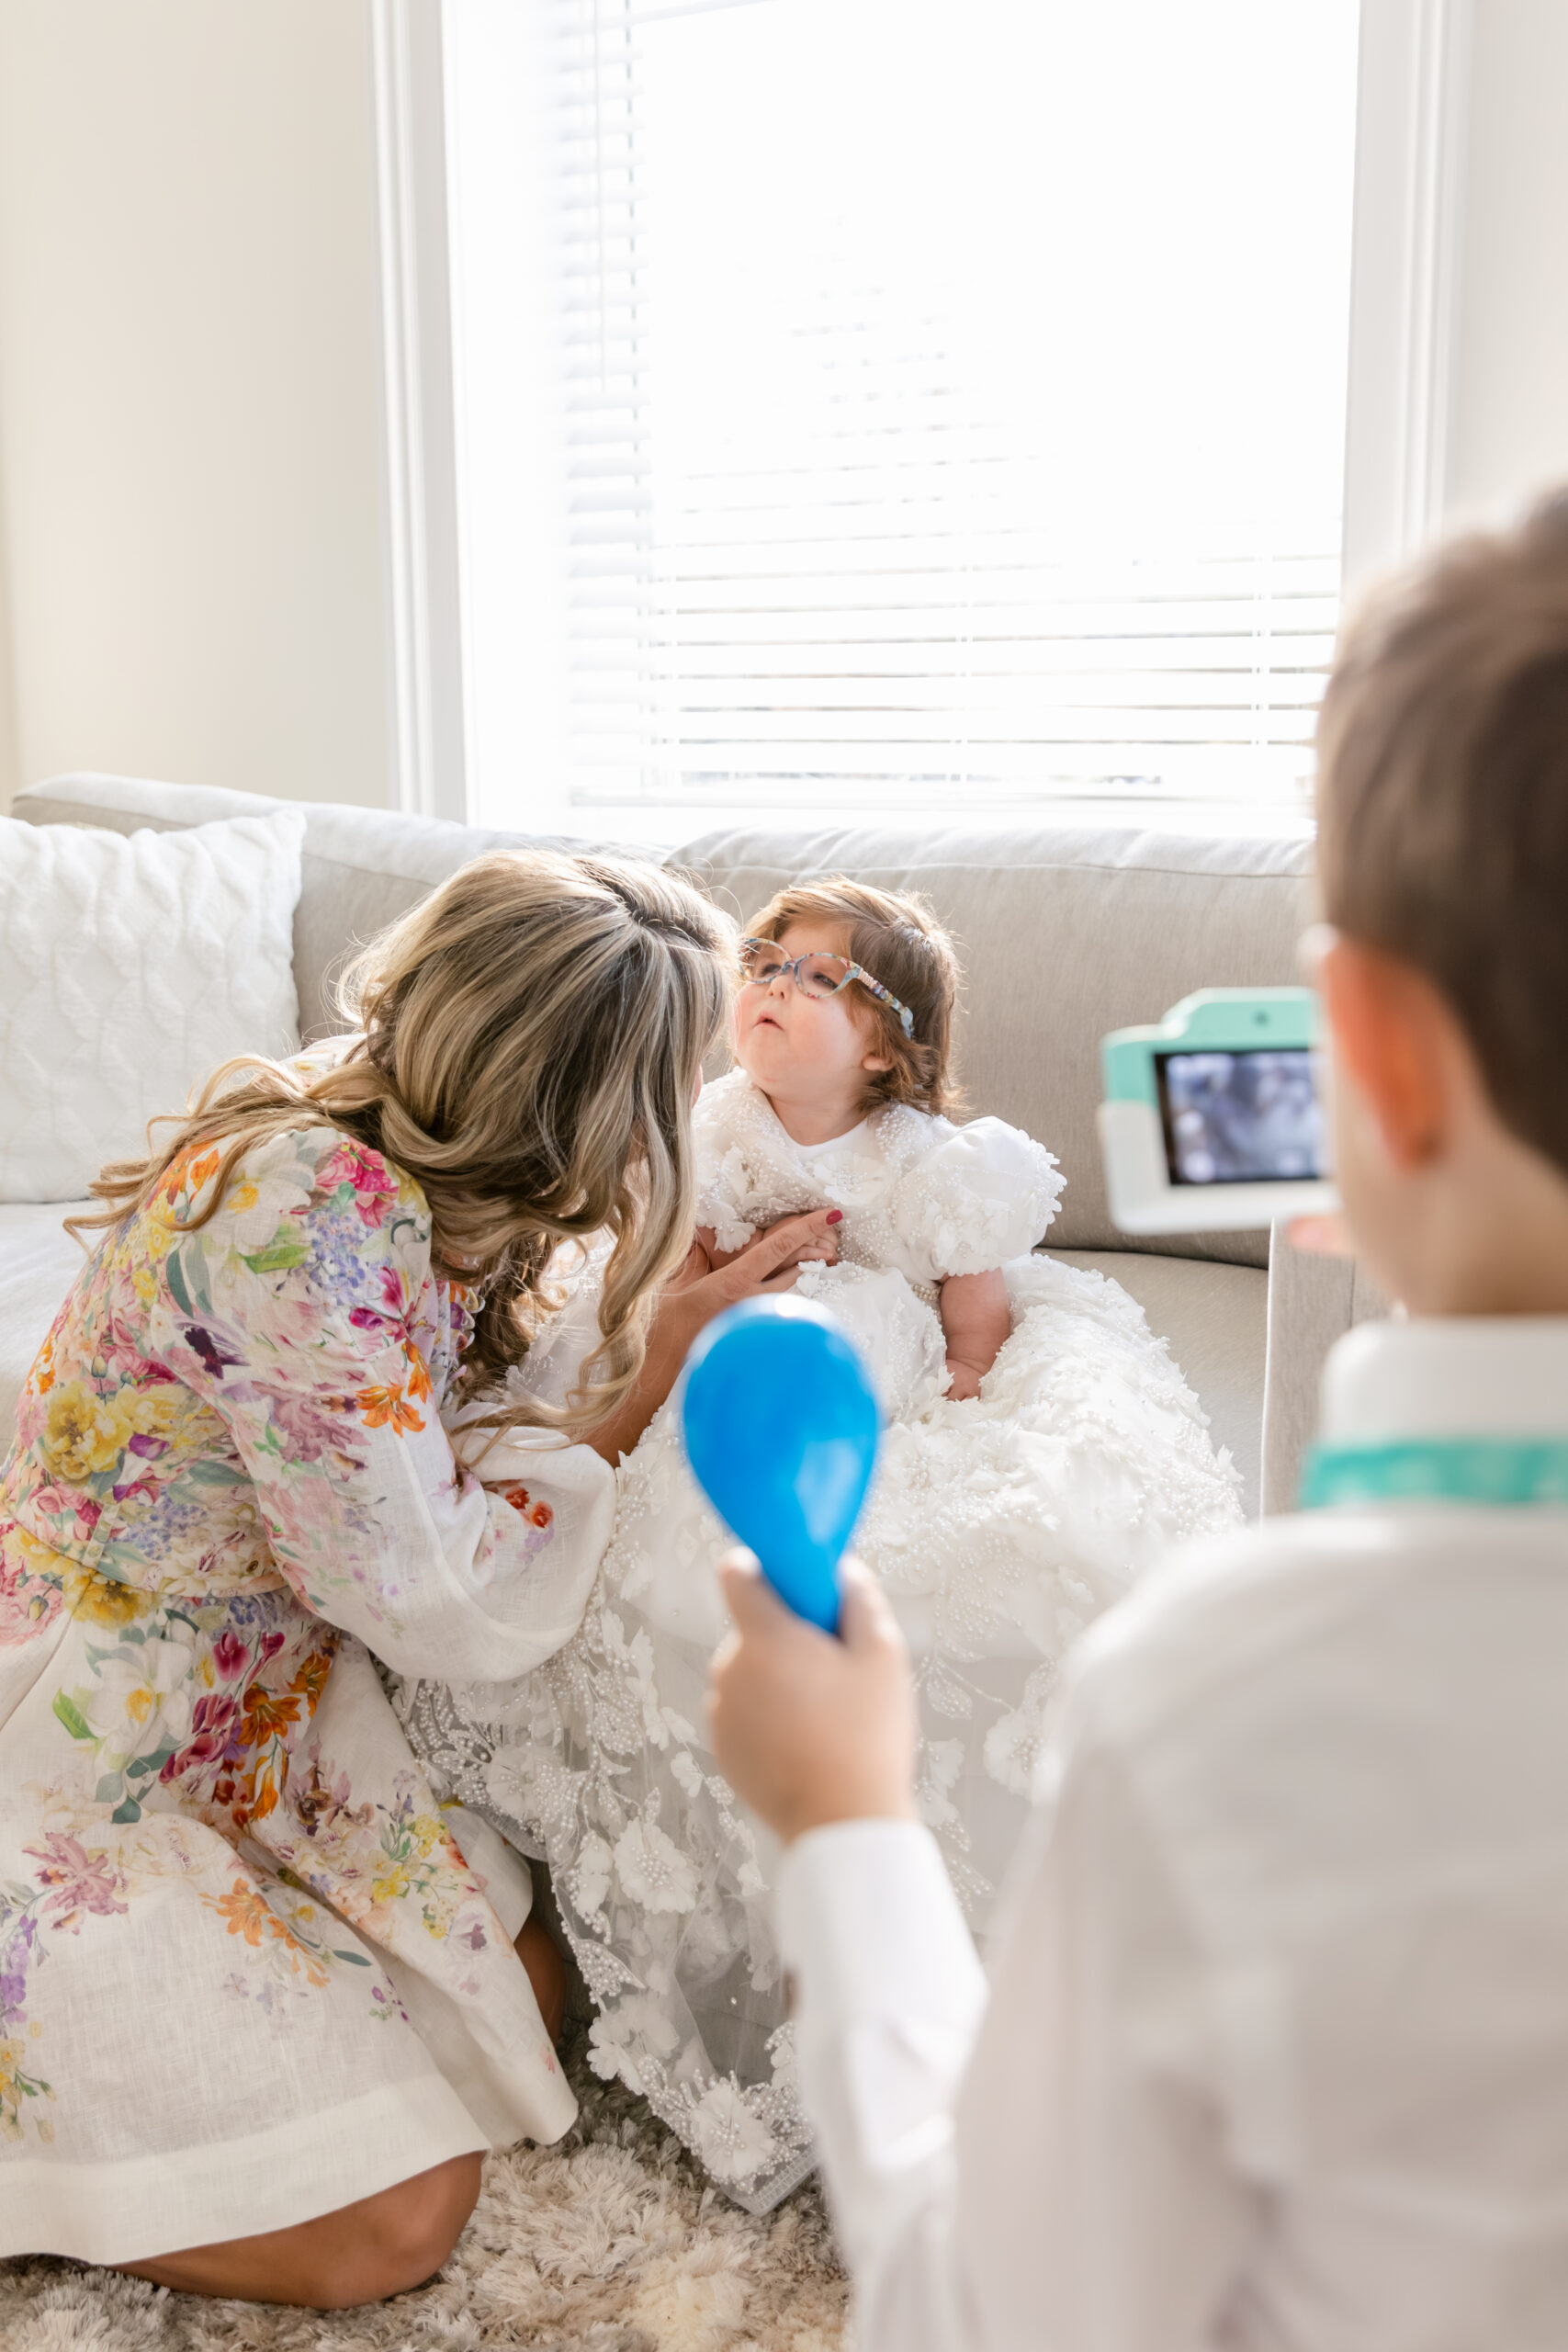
{"x":1275,"y":2050}
{"x":129,"y":967}
{"x":999,"y":1526}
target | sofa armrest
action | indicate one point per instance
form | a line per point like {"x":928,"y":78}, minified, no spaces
{"x":1312,"y":1302}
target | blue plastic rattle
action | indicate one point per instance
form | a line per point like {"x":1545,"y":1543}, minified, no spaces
{"x":780,"y":1428}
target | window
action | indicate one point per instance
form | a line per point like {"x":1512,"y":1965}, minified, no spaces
{"x":900,"y":405}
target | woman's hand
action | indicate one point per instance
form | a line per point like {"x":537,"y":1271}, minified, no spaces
{"x":768,"y":1265}
{"x":806,"y":1728}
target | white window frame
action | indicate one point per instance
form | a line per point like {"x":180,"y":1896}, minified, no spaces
{"x":1412,"y":121}
{"x":1412,"y":115}
{"x":428,"y":729}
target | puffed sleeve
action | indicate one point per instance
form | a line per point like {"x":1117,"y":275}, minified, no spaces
{"x":302,"y":1313}
{"x":983,"y":1194}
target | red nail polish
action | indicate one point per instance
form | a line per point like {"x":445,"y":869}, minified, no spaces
{"x":835,"y":1216}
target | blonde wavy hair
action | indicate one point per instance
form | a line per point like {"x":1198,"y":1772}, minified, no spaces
{"x":526,"y":1046}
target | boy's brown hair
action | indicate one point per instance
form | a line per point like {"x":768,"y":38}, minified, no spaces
{"x":1443,"y":799}
{"x":899,"y":940}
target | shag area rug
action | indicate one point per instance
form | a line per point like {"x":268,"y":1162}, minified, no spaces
{"x":609,"y":2242}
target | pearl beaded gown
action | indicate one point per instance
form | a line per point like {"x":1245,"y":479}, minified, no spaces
{"x":999,"y":1526}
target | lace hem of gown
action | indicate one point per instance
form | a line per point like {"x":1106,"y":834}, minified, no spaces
{"x":998,"y":1528}
{"x":754,"y":2138}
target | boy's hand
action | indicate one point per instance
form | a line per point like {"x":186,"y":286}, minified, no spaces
{"x":809,"y":1728}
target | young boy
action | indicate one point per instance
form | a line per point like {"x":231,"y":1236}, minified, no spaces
{"x":1274,"y":2050}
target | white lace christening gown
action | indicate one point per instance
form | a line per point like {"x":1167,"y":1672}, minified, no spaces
{"x":999,"y":1526}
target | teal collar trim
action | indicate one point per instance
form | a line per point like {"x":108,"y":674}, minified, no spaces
{"x":1494,"y":1471}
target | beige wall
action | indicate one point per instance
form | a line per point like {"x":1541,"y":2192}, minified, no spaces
{"x":190,"y":464}
{"x":1509,"y":432}
{"x":9,"y":750}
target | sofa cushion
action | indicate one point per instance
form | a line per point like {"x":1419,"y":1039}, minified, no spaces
{"x":361,"y":867}
{"x":128,"y":970}
{"x":38,"y":1262}
{"x":1062,"y":935}
{"x":1215,"y":1318}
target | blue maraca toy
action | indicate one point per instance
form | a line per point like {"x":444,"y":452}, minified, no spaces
{"x":781,"y":1429}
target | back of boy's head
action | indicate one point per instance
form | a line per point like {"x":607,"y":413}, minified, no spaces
{"x":1443,"y":799}
{"x":897,"y":939}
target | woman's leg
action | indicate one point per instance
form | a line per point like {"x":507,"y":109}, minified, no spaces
{"x":384,"y":2245}
{"x":361,"y":2253}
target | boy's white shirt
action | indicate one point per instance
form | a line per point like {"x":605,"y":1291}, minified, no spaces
{"x":1275,"y":2049}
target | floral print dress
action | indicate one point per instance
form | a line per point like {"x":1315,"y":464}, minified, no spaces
{"x":246,"y":1974}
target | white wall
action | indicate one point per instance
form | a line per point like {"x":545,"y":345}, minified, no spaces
{"x":1509,"y":433}
{"x":190,"y":469}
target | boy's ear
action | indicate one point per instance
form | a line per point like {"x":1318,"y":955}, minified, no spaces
{"x":1392,"y":1033}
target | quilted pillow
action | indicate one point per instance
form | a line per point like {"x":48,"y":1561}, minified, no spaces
{"x":129,"y":967}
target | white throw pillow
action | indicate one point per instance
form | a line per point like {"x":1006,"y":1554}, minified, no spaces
{"x":129,"y":967}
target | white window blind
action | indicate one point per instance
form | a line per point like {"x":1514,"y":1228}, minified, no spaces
{"x":950,"y":396}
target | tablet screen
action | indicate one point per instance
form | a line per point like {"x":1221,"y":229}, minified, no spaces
{"x":1249,"y":1117}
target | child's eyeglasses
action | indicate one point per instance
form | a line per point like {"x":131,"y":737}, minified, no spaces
{"x":761,"y":963}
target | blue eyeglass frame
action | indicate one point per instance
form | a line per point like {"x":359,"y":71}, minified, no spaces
{"x":791,"y":964}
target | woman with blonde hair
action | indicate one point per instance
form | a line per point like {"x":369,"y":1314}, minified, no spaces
{"x":258,"y":2014}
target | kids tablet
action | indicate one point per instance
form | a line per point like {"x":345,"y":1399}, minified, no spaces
{"x":1214,"y":1117}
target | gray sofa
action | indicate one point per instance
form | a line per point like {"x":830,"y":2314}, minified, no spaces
{"x":1064,"y":934}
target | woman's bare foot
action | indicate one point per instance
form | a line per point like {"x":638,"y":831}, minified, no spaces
{"x":540,"y":1955}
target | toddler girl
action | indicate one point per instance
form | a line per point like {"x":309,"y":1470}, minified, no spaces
{"x":840,"y":1097}
{"x":1040,"y":1448}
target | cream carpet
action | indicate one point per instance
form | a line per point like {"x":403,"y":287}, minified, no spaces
{"x":610,"y":2242}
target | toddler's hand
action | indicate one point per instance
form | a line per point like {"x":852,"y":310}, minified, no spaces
{"x":810,"y":1728}
{"x":964,"y":1379}
{"x":697,"y":1262}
